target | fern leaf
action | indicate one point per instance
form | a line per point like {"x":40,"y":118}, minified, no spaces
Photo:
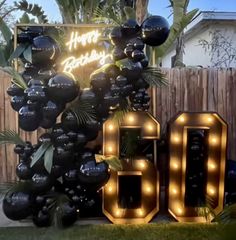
{"x":10,"y":137}
{"x":154,"y":77}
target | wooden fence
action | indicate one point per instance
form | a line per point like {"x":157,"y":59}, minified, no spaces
{"x":189,"y":89}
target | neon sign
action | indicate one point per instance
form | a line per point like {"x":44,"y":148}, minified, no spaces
{"x":76,"y":40}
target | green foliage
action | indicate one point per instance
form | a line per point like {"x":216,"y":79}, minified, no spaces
{"x":16,"y":77}
{"x":40,"y":153}
{"x":228,"y":215}
{"x":33,"y":9}
{"x":48,"y":158}
{"x":82,"y":111}
{"x":154,"y":77}
{"x":181,"y":20}
{"x":10,"y":137}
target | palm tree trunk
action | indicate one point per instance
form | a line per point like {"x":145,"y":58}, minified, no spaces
{"x":141,"y":10}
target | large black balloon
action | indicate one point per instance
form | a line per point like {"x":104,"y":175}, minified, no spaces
{"x":155,"y":30}
{"x":130,"y":27}
{"x":17,"y":204}
{"x":44,"y":51}
{"x":130,"y":69}
{"x":28,"y":119}
{"x":99,"y":82}
{"x":51,"y":109}
{"x":87,"y":95}
{"x":62,"y":89}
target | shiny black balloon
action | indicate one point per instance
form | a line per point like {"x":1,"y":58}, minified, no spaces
{"x":69,"y":121}
{"x":57,"y":171}
{"x":111,"y":70}
{"x":23,"y":171}
{"x":15,"y":90}
{"x":130,"y":27}
{"x":118,"y":54}
{"x":17,"y":102}
{"x":51,"y":109}
{"x":130,"y":69}
{"x":87,"y":95}
{"x":44,"y":51}
{"x":99,"y":82}
{"x":140,"y":83}
{"x":144,"y":62}
{"x":19,"y":149}
{"x":40,"y":201}
{"x":68,"y":214}
{"x":41,"y":182}
{"x":110,"y":100}
{"x":71,"y":177}
{"x":115,"y":90}
{"x":28,"y":119}
{"x":116,"y":36}
{"x":138,"y":55}
{"x":62,"y":140}
{"x":126,"y":90}
{"x":34,"y":83}
{"x":34,"y":31}
{"x":62,"y":157}
{"x":17,"y":204}
{"x":72,"y":136}
{"x":128,"y":50}
{"x":137,"y":43}
{"x":81,"y":138}
{"x":45,"y":138}
{"x":41,"y":219}
{"x":57,"y":130}
{"x":93,"y":173}
{"x":24,"y":38}
{"x":37,"y":93}
{"x":121,"y":81}
{"x":62,"y":89}
{"x":155,"y":30}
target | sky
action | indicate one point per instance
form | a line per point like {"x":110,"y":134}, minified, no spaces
{"x":156,"y":7}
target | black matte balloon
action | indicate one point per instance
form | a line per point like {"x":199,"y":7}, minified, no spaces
{"x":17,"y":205}
{"x":17,"y":102}
{"x":23,"y":171}
{"x":28,"y":119}
{"x":155,"y":30}
{"x":15,"y":90}
{"x":41,"y":182}
{"x":62,"y":89}
{"x":44,"y":51}
{"x":41,"y":219}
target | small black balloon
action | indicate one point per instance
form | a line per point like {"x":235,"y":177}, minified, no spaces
{"x":155,"y":30}
{"x":41,"y":219}
{"x":51,"y":109}
{"x":37,"y":93}
{"x":47,"y":123}
{"x":19,"y":149}
{"x":118,"y":54}
{"x":130,"y":27}
{"x":116,"y":36}
{"x":45,"y":138}
{"x":17,"y":102}
{"x":138,"y":55}
{"x":23,"y":171}
{"x":130,"y":69}
{"x":69,"y":121}
{"x":15,"y":90}
{"x":28,"y":119}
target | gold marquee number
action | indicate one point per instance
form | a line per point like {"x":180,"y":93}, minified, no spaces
{"x":150,"y":129}
{"x":216,"y":157}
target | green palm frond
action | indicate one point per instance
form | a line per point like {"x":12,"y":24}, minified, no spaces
{"x":82,"y":111}
{"x":10,"y":137}
{"x":113,"y":161}
{"x":154,"y":77}
{"x":33,"y":9}
{"x":16,"y":77}
{"x":103,"y":15}
{"x":228,"y":215}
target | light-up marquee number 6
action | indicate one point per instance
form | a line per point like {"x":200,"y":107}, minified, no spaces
{"x":142,"y":172}
{"x":197,"y":165}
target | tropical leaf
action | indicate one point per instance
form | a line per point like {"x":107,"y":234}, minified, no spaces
{"x":6,"y":32}
{"x":228,"y":215}
{"x":10,"y":137}
{"x":82,"y":111}
{"x":175,"y":31}
{"x":16,"y":77}
{"x":28,"y":54}
{"x":129,"y":13}
{"x":113,"y":161}
{"x":3,"y":61}
{"x":24,"y":18}
{"x":18,"y":51}
{"x":154,"y":77}
{"x":39,"y":153}
{"x":48,"y":158}
{"x":33,"y":9}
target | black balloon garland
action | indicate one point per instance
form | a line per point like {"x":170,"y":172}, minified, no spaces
{"x":74,"y":171}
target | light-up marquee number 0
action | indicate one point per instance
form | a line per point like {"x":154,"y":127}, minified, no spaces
{"x":187,"y":129}
{"x":141,"y":169}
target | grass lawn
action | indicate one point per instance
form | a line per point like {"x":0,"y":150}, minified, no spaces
{"x":154,"y":231}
